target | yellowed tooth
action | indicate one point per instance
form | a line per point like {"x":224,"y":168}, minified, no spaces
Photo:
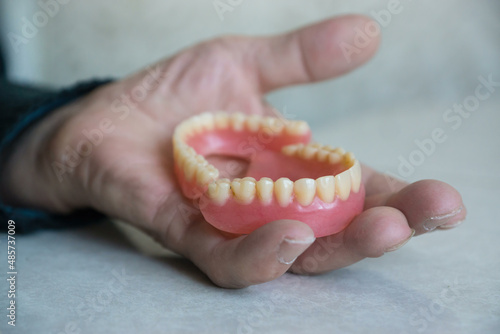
{"x":207,"y":121}
{"x":206,"y":175}
{"x":244,"y":189}
{"x":317,"y":145}
{"x":334,"y":158}
{"x":339,"y":150}
{"x":273,"y":125}
{"x":355,"y":172}
{"x":308,"y":152}
{"x":325,"y":186}
{"x":221,"y":120}
{"x":343,"y":185}
{"x":191,"y":168}
{"x":304,"y":190}
{"x":219,"y":192}
{"x":322,"y":155}
{"x":265,"y":190}
{"x":291,"y":150}
{"x":349,"y":159}
{"x":283,"y":189}
{"x":296,"y":128}
{"x":237,"y":121}
{"x":253,"y":123}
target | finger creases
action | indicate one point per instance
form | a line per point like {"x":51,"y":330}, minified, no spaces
{"x":429,"y":204}
{"x":371,"y":234}
{"x":237,"y":262}
{"x":317,"y":52}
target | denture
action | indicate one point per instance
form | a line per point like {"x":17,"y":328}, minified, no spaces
{"x":287,"y":177}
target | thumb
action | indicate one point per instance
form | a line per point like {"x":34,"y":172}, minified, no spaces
{"x":314,"y":53}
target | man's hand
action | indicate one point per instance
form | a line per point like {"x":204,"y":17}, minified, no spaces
{"x":121,"y":134}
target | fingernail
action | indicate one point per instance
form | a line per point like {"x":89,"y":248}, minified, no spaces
{"x":448,"y":226}
{"x":401,"y":244}
{"x":433,"y":222}
{"x":290,"y":249}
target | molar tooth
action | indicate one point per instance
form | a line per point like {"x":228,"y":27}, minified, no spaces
{"x":308,"y":152}
{"x":244,"y":189}
{"x":237,"y":121}
{"x":325,"y":186}
{"x":322,"y":155}
{"x":221,"y":120}
{"x":349,"y":159}
{"x":304,"y":190}
{"x":265,"y":190}
{"x":272,"y":124}
{"x":191,"y":168}
{"x":207,"y":121}
{"x":253,"y":123}
{"x":296,"y":128}
{"x":290,"y":150}
{"x":283,"y":188}
{"x":334,"y":158}
{"x":343,"y":185}
{"x":339,"y":150}
{"x":206,"y":175}
{"x":219,"y":192}
{"x":355,"y":172}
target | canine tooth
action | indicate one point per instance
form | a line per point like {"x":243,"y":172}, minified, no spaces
{"x":244,"y":189}
{"x":253,"y":123}
{"x":322,"y":155}
{"x":304,"y":190}
{"x":237,"y":121}
{"x":296,"y":128}
{"x":273,"y":124}
{"x":343,"y":185}
{"x":334,"y":158}
{"x":355,"y":172}
{"x":308,"y":152}
{"x":206,"y":174}
{"x":221,"y":120}
{"x":219,"y":192}
{"x":265,"y":190}
{"x":325,"y":186}
{"x":283,"y":189}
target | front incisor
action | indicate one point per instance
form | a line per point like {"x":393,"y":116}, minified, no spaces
{"x":304,"y":190}
{"x":283,"y":189}
{"x":265,"y":188}
{"x":326,"y":188}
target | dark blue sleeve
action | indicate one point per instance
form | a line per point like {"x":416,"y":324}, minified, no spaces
{"x":21,"y":107}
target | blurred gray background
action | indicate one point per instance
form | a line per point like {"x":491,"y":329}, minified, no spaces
{"x":431,"y":50}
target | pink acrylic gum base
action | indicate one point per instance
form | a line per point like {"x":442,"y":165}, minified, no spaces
{"x":265,"y":160}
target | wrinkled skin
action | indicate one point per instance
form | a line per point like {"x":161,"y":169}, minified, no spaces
{"x":129,"y":175}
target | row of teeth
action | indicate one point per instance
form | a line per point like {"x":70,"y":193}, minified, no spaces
{"x":321,"y":153}
{"x":238,"y":122}
{"x":326,"y":188}
{"x":197,"y":169}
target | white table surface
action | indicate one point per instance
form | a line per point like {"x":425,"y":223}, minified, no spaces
{"x":94,"y":280}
